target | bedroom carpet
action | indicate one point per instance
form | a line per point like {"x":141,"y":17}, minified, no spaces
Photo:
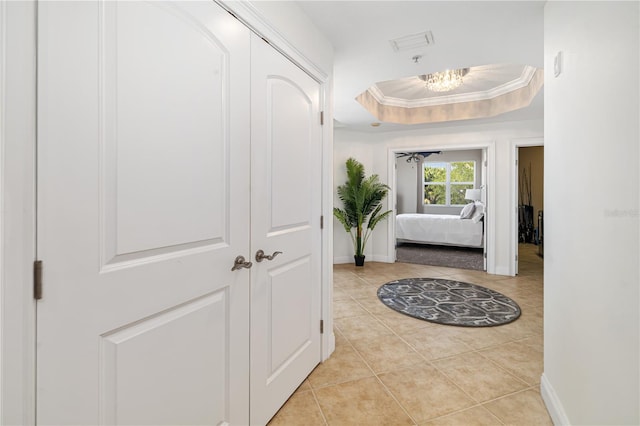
{"x":449,"y":302}
{"x":452,"y":257}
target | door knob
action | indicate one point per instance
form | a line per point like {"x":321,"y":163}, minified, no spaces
{"x":240,"y":263}
{"x":260,"y":256}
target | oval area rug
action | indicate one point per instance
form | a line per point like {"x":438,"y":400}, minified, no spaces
{"x":449,"y":302}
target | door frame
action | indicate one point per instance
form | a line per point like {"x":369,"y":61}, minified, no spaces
{"x":490,"y":203}
{"x":513,"y":215}
{"x":18,"y":211}
{"x":18,"y":74}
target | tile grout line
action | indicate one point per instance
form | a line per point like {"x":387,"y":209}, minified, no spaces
{"x":477,"y":405}
{"x":504,"y":369}
{"x":455,"y":383}
{"x":528,"y":388}
{"x":533,"y":388}
{"x":388,"y":391}
{"x":315,"y":398}
{"x":379,"y":380}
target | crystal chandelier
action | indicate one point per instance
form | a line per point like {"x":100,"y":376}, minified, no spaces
{"x":444,"y":81}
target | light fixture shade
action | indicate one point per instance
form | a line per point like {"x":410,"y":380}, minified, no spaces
{"x":473,"y":194}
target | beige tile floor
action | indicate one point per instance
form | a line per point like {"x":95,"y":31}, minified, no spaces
{"x":391,"y":369}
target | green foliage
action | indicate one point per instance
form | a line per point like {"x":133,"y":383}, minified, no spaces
{"x":435,"y":194}
{"x":362,"y":204}
{"x":435,"y":172}
{"x":458,"y":192}
{"x":435,"y":178}
{"x":462,"y":171}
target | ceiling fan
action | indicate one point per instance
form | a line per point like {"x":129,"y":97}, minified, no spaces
{"x":416,"y":156}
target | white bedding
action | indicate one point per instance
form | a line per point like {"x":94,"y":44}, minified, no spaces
{"x":439,"y":229}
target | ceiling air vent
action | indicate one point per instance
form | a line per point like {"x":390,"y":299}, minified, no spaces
{"x":413,"y":41}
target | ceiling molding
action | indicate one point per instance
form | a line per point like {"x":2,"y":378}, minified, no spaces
{"x":481,"y":108}
{"x":523,"y":80}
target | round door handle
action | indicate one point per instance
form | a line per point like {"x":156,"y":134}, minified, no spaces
{"x":260,"y":256}
{"x":240,"y":263}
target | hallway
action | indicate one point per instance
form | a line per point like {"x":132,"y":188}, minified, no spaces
{"x":389,"y":368}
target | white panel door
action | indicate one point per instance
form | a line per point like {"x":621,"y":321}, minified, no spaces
{"x":483,"y":192}
{"x":285,"y":210}
{"x":143,"y":205}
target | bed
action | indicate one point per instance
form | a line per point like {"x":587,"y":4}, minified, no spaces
{"x":442,"y":229}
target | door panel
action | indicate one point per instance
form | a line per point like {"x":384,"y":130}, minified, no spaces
{"x":136,"y":112}
{"x":291,"y":324}
{"x":134,"y":364}
{"x":143,"y":195}
{"x":290,"y":118}
{"x":286,"y":207}
{"x":190,"y":106}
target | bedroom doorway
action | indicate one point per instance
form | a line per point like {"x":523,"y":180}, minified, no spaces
{"x":430,"y":190}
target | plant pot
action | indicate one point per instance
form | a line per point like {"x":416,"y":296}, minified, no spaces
{"x":359,"y":260}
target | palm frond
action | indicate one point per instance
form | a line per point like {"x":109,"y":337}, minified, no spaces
{"x":355,"y":172}
{"x":376,"y":217}
{"x":361,"y":197}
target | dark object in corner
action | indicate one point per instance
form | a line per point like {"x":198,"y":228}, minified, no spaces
{"x":525,"y":224}
{"x":540,"y":234}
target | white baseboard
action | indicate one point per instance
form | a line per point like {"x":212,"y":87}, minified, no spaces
{"x":369,"y":258}
{"x":342,"y":259}
{"x":331,"y":347}
{"x":551,"y":400}
{"x":501,"y":270}
{"x":381,"y":258}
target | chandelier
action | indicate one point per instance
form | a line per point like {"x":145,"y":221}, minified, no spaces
{"x":444,"y":81}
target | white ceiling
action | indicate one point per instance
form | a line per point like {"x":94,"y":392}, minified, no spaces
{"x":466,"y":34}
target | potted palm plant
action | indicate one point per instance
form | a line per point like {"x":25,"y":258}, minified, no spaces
{"x":362,"y":202}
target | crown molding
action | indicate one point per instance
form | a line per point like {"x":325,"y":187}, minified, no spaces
{"x":523,"y":80}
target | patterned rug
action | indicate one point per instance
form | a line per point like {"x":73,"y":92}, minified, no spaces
{"x":449,"y":302}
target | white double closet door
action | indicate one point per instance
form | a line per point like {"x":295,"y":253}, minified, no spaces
{"x":170,"y":141}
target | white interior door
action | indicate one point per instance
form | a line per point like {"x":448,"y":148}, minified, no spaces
{"x":516,"y":229}
{"x":285,"y":210}
{"x":484,"y":198}
{"x":143,"y":204}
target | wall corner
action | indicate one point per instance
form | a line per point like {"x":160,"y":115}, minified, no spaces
{"x":552,"y":402}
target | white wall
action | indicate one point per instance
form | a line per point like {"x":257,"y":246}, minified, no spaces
{"x":297,"y":30}
{"x":372,"y":149}
{"x":356,"y":148}
{"x":592,"y":213}
{"x":407,"y":185}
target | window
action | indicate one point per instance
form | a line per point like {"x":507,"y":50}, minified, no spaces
{"x":445,"y":183}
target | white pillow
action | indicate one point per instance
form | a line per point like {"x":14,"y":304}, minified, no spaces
{"x":467,"y":211}
{"x":478,"y":212}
